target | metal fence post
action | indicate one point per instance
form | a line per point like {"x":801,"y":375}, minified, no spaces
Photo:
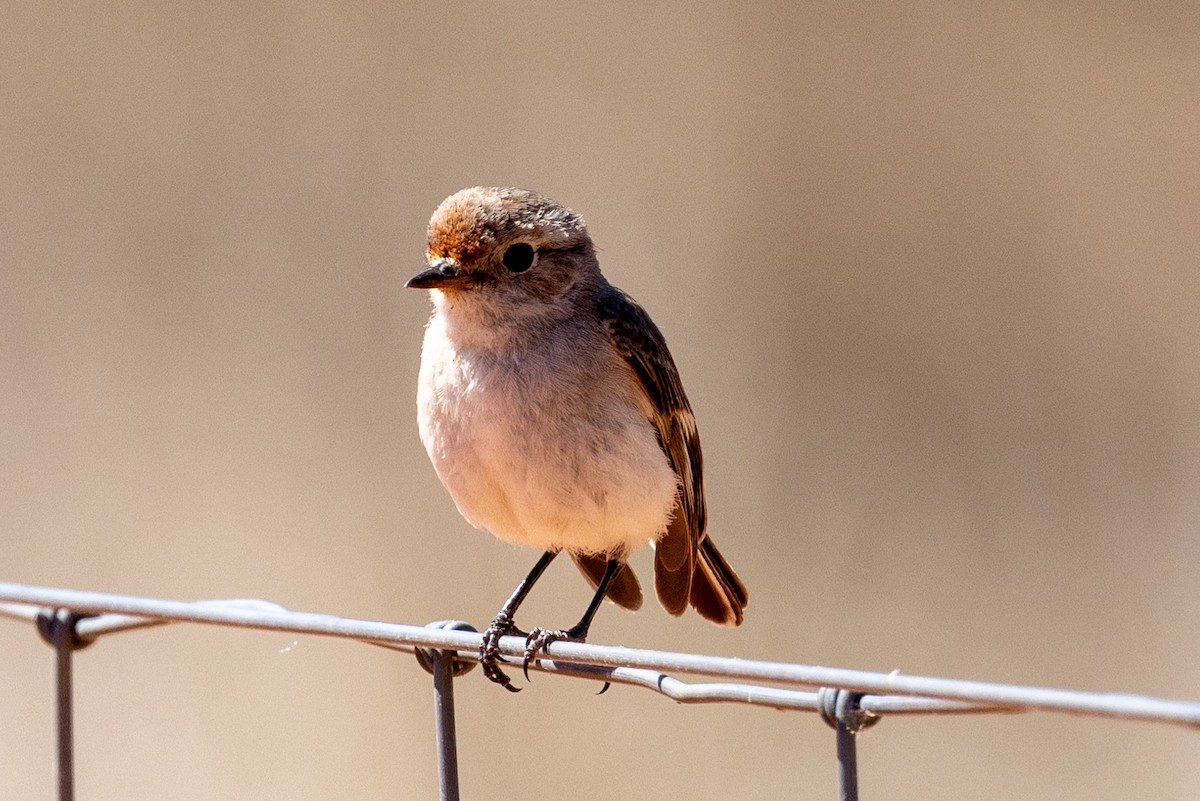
{"x":847,"y":760}
{"x":447,"y":739}
{"x":841,"y":710}
{"x":444,"y":667}
{"x":57,"y":627}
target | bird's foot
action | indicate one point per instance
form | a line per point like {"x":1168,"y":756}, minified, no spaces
{"x":537,"y":640}
{"x":489,"y":653}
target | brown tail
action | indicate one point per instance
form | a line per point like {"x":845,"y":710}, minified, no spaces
{"x":717,"y":592}
{"x":699,"y":576}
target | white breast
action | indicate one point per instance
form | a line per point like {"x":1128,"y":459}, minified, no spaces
{"x":551,"y":448}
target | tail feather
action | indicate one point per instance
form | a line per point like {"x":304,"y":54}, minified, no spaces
{"x":624,"y":591}
{"x":674,"y":565}
{"x":717,"y":593}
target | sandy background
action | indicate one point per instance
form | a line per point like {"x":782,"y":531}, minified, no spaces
{"x":930,"y":273}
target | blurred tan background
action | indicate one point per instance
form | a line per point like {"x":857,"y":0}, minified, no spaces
{"x":931,"y":275}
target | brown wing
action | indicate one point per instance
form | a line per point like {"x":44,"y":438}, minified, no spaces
{"x":683,"y":570}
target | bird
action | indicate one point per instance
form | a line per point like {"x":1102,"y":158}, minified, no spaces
{"x":553,"y":413}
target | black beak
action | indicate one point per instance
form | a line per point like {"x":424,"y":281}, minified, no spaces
{"x":442,"y":274}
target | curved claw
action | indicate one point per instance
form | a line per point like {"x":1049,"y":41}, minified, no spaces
{"x":498,"y":676}
{"x":538,"y":639}
{"x":489,"y":652}
{"x":531,"y":649}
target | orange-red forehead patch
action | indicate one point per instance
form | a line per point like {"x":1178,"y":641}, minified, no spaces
{"x":458,"y":231}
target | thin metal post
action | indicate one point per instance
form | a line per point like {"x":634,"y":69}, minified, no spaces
{"x":447,"y":739}
{"x":444,"y":665}
{"x":842,"y":710}
{"x":57,"y":627}
{"x":64,"y":647}
{"x":847,"y":758}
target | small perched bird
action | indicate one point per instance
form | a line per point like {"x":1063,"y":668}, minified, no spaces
{"x":553,"y":413}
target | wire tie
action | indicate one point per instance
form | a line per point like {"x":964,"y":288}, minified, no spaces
{"x":840,"y":708}
{"x":425,"y":656}
{"x":54,"y":623}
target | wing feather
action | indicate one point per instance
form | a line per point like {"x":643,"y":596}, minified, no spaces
{"x":681,"y":564}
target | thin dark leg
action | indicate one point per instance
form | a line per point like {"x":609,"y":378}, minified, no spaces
{"x":503,"y":625}
{"x":518,"y":597}
{"x":540,"y":638}
{"x":580,"y":630}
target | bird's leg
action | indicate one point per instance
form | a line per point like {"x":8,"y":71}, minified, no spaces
{"x":539,"y":638}
{"x":503,"y":625}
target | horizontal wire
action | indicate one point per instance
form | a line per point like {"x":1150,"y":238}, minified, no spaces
{"x":757,"y":695}
{"x":19,"y":612}
{"x":890,"y":693}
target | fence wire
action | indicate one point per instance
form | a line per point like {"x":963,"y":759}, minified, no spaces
{"x":849,"y":700}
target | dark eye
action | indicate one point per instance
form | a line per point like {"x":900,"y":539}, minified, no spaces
{"x":519,"y":257}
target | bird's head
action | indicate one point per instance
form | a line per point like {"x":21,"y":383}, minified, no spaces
{"x":509,"y":243}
